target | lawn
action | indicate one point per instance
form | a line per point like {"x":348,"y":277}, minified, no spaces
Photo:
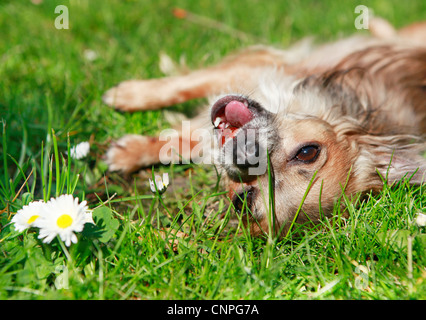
{"x":186,"y":243}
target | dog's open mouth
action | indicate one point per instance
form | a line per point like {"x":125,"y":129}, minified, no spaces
{"x":228,"y":115}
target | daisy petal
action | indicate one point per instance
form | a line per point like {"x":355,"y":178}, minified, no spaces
{"x":165,"y":179}
{"x":152,"y":185}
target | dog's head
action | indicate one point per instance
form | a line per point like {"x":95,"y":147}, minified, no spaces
{"x":301,"y":159}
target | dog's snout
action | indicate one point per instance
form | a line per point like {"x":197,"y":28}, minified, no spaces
{"x":245,"y":135}
{"x":246,"y":150}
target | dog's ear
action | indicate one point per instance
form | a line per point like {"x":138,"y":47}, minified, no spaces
{"x":397,"y":166}
{"x":392,"y":157}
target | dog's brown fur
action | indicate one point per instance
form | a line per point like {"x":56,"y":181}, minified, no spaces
{"x":361,"y":101}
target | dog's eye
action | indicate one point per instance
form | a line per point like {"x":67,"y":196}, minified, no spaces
{"x":308,"y":154}
{"x":243,"y":201}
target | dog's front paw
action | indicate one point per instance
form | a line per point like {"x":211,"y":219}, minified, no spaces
{"x":131,"y":153}
{"x":128,"y":96}
{"x":134,"y":95}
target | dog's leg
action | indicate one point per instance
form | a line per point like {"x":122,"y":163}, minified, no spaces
{"x":382,"y":29}
{"x":236,"y":72}
{"x":133,"y":152}
{"x":186,"y":141}
{"x":415,"y":32}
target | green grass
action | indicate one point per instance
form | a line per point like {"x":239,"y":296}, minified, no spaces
{"x":46,"y":83}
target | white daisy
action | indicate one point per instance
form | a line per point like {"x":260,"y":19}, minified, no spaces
{"x":90,"y":55}
{"x":63,"y":216}
{"x":27,"y":216}
{"x":421,"y":219}
{"x":80,"y":150}
{"x":160,"y":183}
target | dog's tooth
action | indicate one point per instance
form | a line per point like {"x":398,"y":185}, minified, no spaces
{"x":217,"y":121}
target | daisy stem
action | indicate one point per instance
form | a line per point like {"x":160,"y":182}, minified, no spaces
{"x":64,"y":249}
{"x":56,"y":153}
{"x":165,"y":207}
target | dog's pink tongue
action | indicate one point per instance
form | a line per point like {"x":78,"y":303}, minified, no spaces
{"x":237,"y":114}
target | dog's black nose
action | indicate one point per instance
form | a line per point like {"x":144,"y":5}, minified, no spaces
{"x":243,"y":201}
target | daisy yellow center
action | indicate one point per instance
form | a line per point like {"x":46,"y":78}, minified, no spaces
{"x":32,"y":219}
{"x":64,"y":221}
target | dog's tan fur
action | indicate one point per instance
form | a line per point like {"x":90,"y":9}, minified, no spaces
{"x":362,"y":100}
